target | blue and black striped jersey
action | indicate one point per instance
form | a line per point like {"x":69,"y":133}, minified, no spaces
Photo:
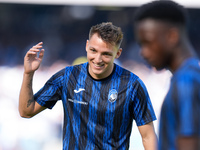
{"x":180,"y":113}
{"x":98,"y":114}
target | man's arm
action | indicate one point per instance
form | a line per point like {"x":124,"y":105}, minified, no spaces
{"x":188,"y":143}
{"x":27,"y":105}
{"x":149,"y":138}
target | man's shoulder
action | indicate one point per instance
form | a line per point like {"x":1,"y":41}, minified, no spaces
{"x":75,"y":68}
{"x":125,"y":73}
{"x":127,"y":76}
{"x":190,"y":70}
{"x":68,"y":70}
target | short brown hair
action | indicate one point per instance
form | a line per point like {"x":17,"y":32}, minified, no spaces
{"x":108,"y":33}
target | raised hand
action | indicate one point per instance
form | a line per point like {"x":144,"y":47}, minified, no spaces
{"x":31,"y":60}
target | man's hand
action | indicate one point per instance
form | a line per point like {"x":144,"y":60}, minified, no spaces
{"x":28,"y":107}
{"x":31,"y":60}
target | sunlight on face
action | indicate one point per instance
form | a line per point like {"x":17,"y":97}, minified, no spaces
{"x":101,"y":56}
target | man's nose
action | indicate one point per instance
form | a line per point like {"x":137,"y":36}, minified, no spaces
{"x":98,"y":58}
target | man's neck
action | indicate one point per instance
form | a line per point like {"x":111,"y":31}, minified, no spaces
{"x":182,"y":53}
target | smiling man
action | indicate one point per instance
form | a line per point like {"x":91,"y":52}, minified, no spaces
{"x":100,"y":99}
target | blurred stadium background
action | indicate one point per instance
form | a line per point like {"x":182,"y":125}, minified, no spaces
{"x":63,"y":26}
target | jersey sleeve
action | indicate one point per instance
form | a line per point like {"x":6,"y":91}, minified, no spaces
{"x":50,"y":93}
{"x":187,"y":102}
{"x":143,"y":111}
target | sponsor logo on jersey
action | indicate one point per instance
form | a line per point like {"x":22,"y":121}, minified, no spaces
{"x":79,"y":90}
{"x":76,"y":101}
{"x":112,"y":96}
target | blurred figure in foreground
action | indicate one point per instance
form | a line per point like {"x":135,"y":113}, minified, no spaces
{"x":100,"y":98}
{"x":160,"y":28}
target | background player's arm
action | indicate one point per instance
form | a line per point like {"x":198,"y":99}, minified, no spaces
{"x":149,"y":138}
{"x":188,"y":143}
{"x":28,"y":107}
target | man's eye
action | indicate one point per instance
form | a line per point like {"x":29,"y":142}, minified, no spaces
{"x":93,"y":50}
{"x":107,"y":54}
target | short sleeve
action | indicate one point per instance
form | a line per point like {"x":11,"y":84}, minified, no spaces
{"x":143,"y":111}
{"x":50,"y":93}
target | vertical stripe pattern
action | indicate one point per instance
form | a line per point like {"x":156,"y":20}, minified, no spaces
{"x":98,"y":113}
{"x":181,"y":107}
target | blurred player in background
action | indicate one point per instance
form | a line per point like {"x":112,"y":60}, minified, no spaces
{"x":160,"y":28}
{"x":100,"y":99}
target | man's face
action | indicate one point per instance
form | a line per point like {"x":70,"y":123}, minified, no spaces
{"x":100,"y":57}
{"x":154,"y":41}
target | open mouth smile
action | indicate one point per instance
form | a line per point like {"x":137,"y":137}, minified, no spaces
{"x":98,"y":65}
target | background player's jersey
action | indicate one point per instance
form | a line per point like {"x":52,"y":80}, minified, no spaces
{"x":98,"y":114}
{"x":180,"y":114}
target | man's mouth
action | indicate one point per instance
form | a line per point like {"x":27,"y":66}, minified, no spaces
{"x":98,"y":65}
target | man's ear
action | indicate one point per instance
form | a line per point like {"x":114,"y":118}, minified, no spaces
{"x":118,"y":53}
{"x":87,"y":44}
{"x":174,"y":36}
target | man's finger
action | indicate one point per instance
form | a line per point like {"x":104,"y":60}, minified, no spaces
{"x":39,"y":45}
{"x":41,"y":54}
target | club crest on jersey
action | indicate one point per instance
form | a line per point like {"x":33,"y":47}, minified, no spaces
{"x":112,"y":96}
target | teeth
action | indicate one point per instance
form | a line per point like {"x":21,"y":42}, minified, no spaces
{"x":98,"y":65}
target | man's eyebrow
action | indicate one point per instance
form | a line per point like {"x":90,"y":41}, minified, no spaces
{"x":91,"y":47}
